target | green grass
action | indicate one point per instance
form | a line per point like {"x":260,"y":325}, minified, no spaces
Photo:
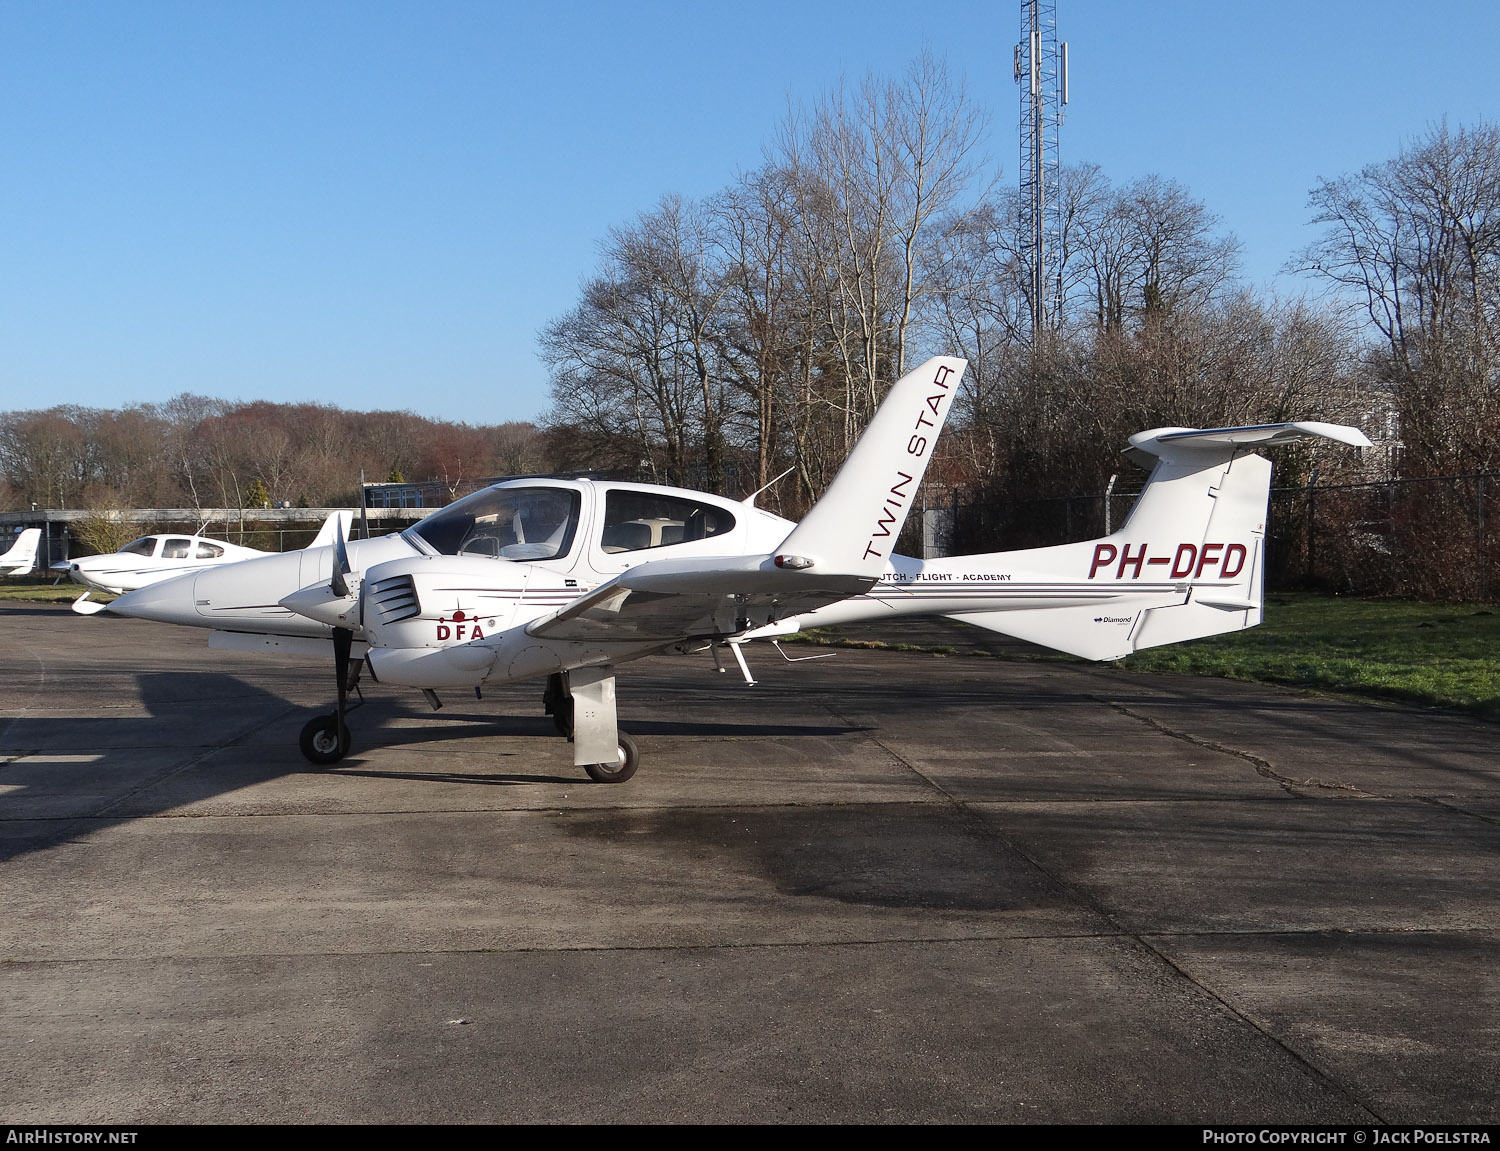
{"x":1437,"y":655}
{"x":42,"y":591}
{"x":824,"y":637}
{"x":1442,"y":655}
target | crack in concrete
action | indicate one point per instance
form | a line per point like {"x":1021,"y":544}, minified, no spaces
{"x":1262,"y":767}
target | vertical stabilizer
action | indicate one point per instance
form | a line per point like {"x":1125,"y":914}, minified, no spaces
{"x":853,"y":528}
{"x":21,"y":557}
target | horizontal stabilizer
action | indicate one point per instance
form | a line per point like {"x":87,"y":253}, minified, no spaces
{"x":1186,"y":444}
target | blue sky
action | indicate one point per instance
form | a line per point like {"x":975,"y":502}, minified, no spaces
{"x":378,"y":205}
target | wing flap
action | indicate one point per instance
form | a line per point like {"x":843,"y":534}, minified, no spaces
{"x":678,"y":599}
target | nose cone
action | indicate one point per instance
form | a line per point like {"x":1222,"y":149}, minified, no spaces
{"x":168,"y":601}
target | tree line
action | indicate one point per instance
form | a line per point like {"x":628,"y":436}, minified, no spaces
{"x":197,"y":452}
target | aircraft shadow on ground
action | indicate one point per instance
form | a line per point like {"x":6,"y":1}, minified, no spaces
{"x":69,"y":776}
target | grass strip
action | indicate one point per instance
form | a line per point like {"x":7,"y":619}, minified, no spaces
{"x":1440,"y":655}
{"x":43,"y":591}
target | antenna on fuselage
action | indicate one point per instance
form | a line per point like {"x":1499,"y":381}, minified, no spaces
{"x":364,"y":507}
{"x":749,"y":501}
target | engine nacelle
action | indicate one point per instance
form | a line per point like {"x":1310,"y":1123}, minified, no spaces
{"x":464,"y":665}
{"x":435,"y":621}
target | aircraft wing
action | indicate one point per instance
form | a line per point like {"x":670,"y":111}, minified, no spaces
{"x":668,"y":600}
{"x":1189,"y":443}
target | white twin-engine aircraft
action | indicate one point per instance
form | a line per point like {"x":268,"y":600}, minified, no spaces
{"x":568,"y":579}
{"x":152,"y":559}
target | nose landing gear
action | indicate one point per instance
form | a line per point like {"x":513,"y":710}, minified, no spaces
{"x":325,"y":738}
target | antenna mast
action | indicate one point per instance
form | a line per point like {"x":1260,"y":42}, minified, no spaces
{"x":1042,"y":73}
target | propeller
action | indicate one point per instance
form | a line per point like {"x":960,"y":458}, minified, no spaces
{"x":333,"y":603}
{"x":339,"y":585}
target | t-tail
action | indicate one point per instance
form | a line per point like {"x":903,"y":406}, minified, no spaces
{"x":1188,"y":562}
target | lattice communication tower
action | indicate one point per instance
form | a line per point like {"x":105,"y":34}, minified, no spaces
{"x":1042,"y":73}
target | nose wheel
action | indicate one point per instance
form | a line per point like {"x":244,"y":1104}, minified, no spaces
{"x":325,"y":740}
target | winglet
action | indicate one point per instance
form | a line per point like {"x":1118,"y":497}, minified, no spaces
{"x":853,"y":528}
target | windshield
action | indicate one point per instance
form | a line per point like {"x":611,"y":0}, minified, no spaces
{"x":506,"y":523}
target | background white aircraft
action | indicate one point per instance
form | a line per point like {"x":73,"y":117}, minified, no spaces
{"x":567,"y":579}
{"x":152,"y":559}
{"x":21,"y":557}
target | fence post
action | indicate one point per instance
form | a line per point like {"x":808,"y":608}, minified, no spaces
{"x":1481,"y":552}
{"x":1312,"y":524}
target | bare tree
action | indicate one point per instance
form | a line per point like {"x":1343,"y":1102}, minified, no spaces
{"x":1416,"y":242}
{"x":888,"y":167}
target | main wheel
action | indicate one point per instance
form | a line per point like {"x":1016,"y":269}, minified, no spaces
{"x":620,"y":771}
{"x":324,"y":740}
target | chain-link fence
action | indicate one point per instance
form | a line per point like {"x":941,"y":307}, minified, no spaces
{"x":1435,"y":537}
{"x":1432,"y":538}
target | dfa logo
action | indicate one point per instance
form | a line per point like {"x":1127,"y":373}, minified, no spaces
{"x":460,"y":625}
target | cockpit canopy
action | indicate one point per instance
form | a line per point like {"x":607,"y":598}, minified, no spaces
{"x":539,"y":523}
{"x":174,"y":548}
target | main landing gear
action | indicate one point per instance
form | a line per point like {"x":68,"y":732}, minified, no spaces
{"x":581,"y":703}
{"x":582,"y":706}
{"x":325,"y":738}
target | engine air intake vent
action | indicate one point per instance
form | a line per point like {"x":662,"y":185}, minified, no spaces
{"x":395,"y":599}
